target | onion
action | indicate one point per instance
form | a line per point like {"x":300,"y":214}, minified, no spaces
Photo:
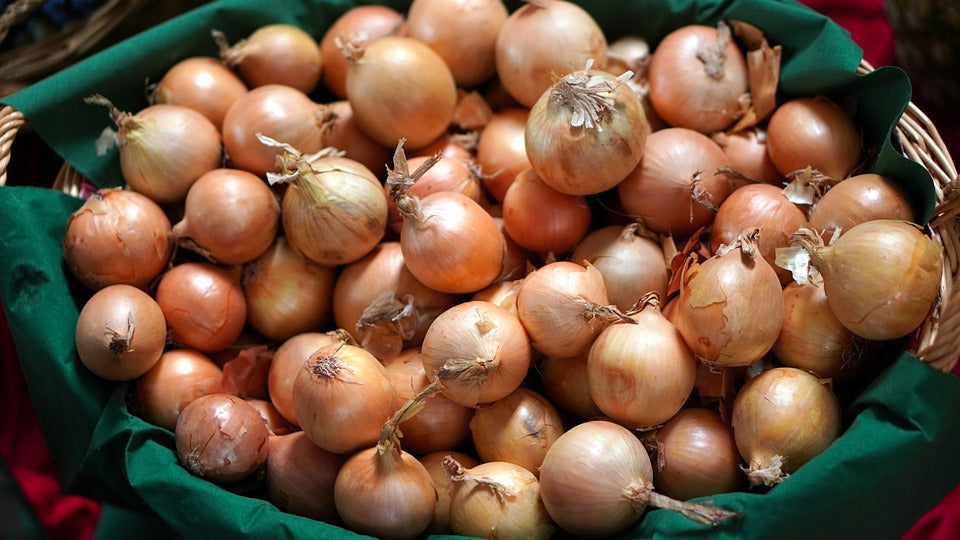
{"x":420,"y":113}
{"x":447,"y":174}
{"x":275,"y":54}
{"x":164,"y":148}
{"x":586,"y":132}
{"x":518,"y":429}
{"x":176,"y":379}
{"x":596,"y":480}
{"x":631,"y":264}
{"x":765,"y":207}
{"x":117,"y":237}
{"x":858,"y":199}
{"x":542,"y":38}
{"x":384,"y":491}
{"x":632,"y":52}
{"x":676,"y":188}
{"x":463,"y":32}
{"x":501,"y":150}
{"x":565,"y":383}
{"x":696,"y":456}
{"x":120,"y":333}
{"x":341,"y":131}
{"x":747,"y":153}
{"x":202,"y":84}
{"x":813,"y":132}
{"x":433,"y":462}
{"x":502,"y":293}
{"x":342,"y":396}
{"x":479,"y":352}
{"x":221,"y":438}
{"x":782,"y":419}
{"x":496,"y":500}
{"x":300,"y":477}
{"x":362,"y":24}
{"x":641,"y":372}
{"x":282,"y":113}
{"x":441,"y":424}
{"x":246,"y":368}
{"x":449,"y":145}
{"x":881,"y":277}
{"x":697,"y":75}
{"x":276,"y":423}
{"x":203,"y":305}
{"x":230,"y":217}
{"x":516,"y":259}
{"x":449,"y":242}
{"x":541,"y":219}
{"x":731,"y":307}
{"x":563,"y":307}
{"x":334,"y":210}
{"x":377,"y":299}
{"x":287,"y":363}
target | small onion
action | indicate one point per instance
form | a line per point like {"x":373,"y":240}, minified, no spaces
{"x":203,"y":305}
{"x":287,"y":363}
{"x":120,"y":333}
{"x":518,"y":429}
{"x":496,"y":500}
{"x":362,"y":24}
{"x":221,"y":438}
{"x":782,"y":419}
{"x":230,"y":217}
{"x":696,"y":456}
{"x":276,"y":54}
{"x":433,"y":462}
{"x":202,"y":84}
{"x":857,"y":199}
{"x":478,"y":351}
{"x":566,"y":383}
{"x":300,"y":477}
{"x":541,"y":219}
{"x":813,"y":132}
{"x":117,"y":237}
{"x":501,"y":150}
{"x":179,"y":377}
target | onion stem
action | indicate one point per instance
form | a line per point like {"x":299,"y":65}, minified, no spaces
{"x":400,"y":180}
{"x":329,"y":366}
{"x":641,"y":494}
{"x":589,"y":99}
{"x":230,"y":54}
{"x":713,"y":57}
{"x":459,"y":474}
{"x":390,"y":434}
{"x":770,"y":475}
{"x":392,"y":315}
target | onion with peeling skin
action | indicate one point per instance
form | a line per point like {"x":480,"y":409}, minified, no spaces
{"x":221,"y":438}
{"x":276,"y":423}
{"x":203,"y":305}
{"x":782,"y":419}
{"x":433,"y":462}
{"x":518,"y":429}
{"x":300,"y":477}
{"x":179,"y":377}
{"x":287,"y":363}
{"x":447,"y":174}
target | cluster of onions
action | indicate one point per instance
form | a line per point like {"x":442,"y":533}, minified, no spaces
{"x":581,"y":295}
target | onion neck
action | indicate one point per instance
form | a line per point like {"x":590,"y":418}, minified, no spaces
{"x":351,"y":46}
{"x":400,"y":180}
{"x":120,"y":342}
{"x":588,"y":98}
{"x":767,"y":472}
{"x":391,"y":315}
{"x":329,"y":366}
{"x":811,"y":242}
{"x":607,"y":314}
{"x":230,"y":55}
{"x":713,"y":57}
{"x":641,"y":494}
{"x":459,"y":474}
{"x":123,"y":120}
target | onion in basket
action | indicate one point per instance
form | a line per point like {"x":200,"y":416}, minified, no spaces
{"x":179,"y":377}
{"x":275,"y":54}
{"x":857,"y":199}
{"x":813,"y":132}
{"x":203,"y":84}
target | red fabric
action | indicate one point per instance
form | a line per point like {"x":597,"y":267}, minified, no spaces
{"x":23,"y":449}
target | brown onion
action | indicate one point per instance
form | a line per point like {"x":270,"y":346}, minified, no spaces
{"x":275,"y":54}
{"x":501,"y":293}
{"x":447,"y":174}
{"x":362,"y":24}
{"x":747,"y":153}
{"x":203,"y":305}
{"x":566,"y":383}
{"x":276,"y":423}
{"x":782,"y":419}
{"x":541,"y":219}
{"x":433,"y":462}
{"x":221,"y":438}
{"x":120,"y":333}
{"x":857,"y":199}
{"x":518,"y":429}
{"x":287,"y":363}
{"x":117,"y":237}
{"x":501,"y":150}
{"x":301,"y":475}
{"x":341,"y":132}
{"x":202,"y":84}
{"x":178,"y":377}
{"x":813,"y":132}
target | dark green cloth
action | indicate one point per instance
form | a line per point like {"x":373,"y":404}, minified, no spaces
{"x":896,"y":459}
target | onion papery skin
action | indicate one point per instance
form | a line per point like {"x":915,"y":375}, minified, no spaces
{"x":812,"y":338}
{"x":388,"y":495}
{"x":203,"y":84}
{"x":762,"y":206}
{"x":433,"y":462}
{"x":366,"y":22}
{"x":696,"y":456}
{"x":165,"y":148}
{"x":881,"y":277}
{"x":203,"y":305}
{"x":682,"y":92}
{"x":287,"y":363}
{"x":813,"y":132}
{"x":641,"y":374}
{"x":858,"y":199}
{"x":543,"y":38}
{"x":478,"y":351}
{"x":300,"y":477}
{"x":441,"y":424}
{"x":335,"y":212}
{"x":176,"y":379}
{"x":784,"y":414}
{"x":230,"y":217}
{"x":731,"y":308}
{"x":595,"y":155}
{"x":286,"y":293}
{"x":282,"y":113}
{"x":276,"y":423}
{"x":420,"y":114}
{"x":117,"y":237}
{"x":660,"y":190}
{"x":541,"y":219}
{"x":566,"y":383}
{"x":279,"y":54}
{"x":454,"y":246}
{"x":631,"y":264}
{"x":448,"y":174}
{"x":554,"y":303}
{"x":518,"y":429}
{"x":501,"y":150}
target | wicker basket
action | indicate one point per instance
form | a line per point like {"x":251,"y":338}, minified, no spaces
{"x":938,"y":338}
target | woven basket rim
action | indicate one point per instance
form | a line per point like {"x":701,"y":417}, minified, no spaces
{"x":938,"y":338}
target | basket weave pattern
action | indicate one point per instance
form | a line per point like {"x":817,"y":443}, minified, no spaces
{"x":938,"y":338}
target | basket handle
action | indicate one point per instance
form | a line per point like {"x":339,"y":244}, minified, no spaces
{"x":10,"y":122}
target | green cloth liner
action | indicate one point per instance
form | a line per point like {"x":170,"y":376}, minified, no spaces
{"x":895,"y":460}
